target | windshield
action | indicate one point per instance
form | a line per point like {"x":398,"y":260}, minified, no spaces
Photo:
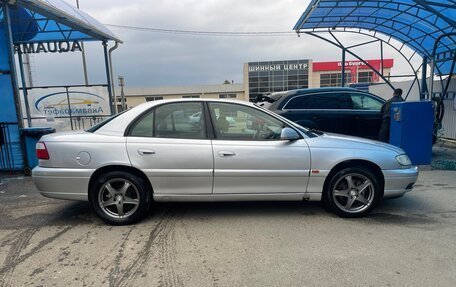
{"x":311,"y":133}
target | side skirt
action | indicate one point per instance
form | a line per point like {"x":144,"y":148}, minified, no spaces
{"x":238,"y":197}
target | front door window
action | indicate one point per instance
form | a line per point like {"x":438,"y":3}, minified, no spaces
{"x":237,"y":122}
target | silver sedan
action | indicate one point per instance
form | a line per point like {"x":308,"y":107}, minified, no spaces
{"x":154,"y":152}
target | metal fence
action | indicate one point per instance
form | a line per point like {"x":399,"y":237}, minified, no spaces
{"x":67,"y":123}
{"x":7,"y":162}
{"x":449,"y":120}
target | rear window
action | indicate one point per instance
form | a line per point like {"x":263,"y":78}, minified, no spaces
{"x":268,"y":100}
{"x":100,"y":124}
{"x":329,"y":101}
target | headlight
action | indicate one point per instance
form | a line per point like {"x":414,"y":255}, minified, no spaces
{"x":403,"y":159}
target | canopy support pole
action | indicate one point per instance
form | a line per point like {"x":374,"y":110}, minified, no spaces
{"x":108,"y":76}
{"x":112,"y":76}
{"x":423,"y":79}
{"x":343,"y":68}
{"x":431,"y":79}
{"x":24,"y":89}
{"x":13,"y":77}
{"x":9,"y":39}
{"x":381,"y":57}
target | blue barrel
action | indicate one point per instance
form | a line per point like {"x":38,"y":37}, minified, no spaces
{"x":31,"y":137}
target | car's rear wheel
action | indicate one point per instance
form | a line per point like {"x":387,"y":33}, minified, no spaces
{"x":352,"y":192}
{"x":120,"y":197}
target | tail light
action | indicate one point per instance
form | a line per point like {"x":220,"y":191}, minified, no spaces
{"x":41,"y":151}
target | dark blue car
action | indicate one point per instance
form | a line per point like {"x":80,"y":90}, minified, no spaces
{"x":337,"y":110}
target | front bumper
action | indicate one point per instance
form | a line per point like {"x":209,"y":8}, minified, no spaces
{"x":399,"y":181}
{"x":62,"y":183}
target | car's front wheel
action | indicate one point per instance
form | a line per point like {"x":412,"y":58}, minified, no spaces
{"x":120,"y":197}
{"x":352,"y":192}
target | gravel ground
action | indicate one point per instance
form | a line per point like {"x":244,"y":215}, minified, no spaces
{"x":405,"y":242}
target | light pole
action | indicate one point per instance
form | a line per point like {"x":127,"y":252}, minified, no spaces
{"x":122,"y":94}
{"x":84,"y":62}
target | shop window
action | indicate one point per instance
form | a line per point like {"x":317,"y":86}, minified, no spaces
{"x":153,"y":98}
{"x":227,"y":96}
{"x":334,"y":79}
{"x":365,"y":77}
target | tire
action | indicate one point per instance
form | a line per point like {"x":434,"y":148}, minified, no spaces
{"x":27,"y":171}
{"x":352,"y":192}
{"x":120,"y":198}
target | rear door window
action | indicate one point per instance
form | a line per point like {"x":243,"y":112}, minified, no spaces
{"x":365,"y":102}
{"x":324,"y":101}
{"x":180,"y":120}
{"x":298,"y":103}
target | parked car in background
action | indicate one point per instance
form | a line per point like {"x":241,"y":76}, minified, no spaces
{"x":337,"y":110}
{"x":195,"y":119}
{"x":155,"y":152}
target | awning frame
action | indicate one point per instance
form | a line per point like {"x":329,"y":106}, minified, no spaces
{"x":385,"y":15}
{"x":46,"y":10}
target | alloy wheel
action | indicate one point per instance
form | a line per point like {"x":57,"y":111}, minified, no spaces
{"x":118,"y":198}
{"x":353,"y":193}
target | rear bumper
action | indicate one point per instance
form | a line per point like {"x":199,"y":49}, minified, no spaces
{"x":62,"y":183}
{"x":399,"y":181}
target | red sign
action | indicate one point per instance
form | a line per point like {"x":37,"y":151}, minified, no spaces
{"x":352,"y":67}
{"x":337,"y":66}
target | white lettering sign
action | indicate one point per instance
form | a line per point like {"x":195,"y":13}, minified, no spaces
{"x":48,"y":47}
{"x":278,"y":67}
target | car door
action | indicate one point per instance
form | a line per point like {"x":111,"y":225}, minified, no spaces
{"x":172,"y":148}
{"x":326,"y":111}
{"x":366,"y":114}
{"x":251,"y":158}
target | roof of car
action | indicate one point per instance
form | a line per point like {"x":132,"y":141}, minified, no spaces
{"x":158,"y":102}
{"x":118,"y":125}
{"x":329,"y":89}
{"x":278,"y":98}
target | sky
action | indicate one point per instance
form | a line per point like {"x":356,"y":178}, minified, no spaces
{"x":149,"y":59}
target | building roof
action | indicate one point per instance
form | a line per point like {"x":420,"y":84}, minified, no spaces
{"x":183,"y":90}
{"x":415,"y":23}
{"x":54,"y":20}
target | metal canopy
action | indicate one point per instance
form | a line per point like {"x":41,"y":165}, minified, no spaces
{"x":54,"y":20}
{"x":427,"y":27}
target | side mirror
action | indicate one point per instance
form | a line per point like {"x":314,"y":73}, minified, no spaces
{"x":289,"y":134}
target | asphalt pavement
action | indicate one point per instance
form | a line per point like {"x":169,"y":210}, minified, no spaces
{"x":405,"y":242}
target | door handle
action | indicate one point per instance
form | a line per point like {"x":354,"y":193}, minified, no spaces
{"x":145,"y":151}
{"x":226,"y":153}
